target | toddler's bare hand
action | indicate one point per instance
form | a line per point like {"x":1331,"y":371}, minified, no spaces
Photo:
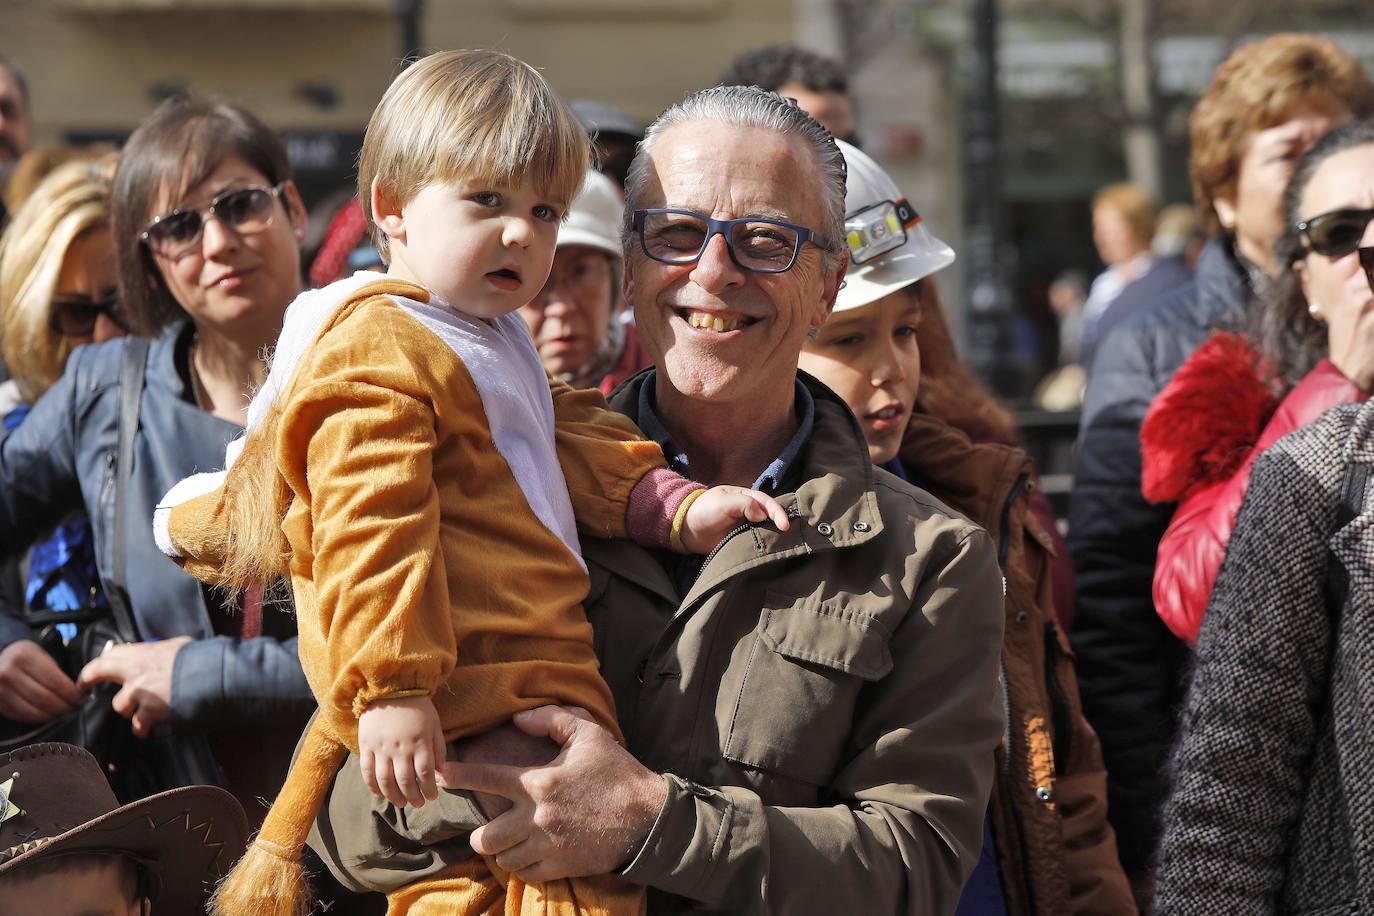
{"x":720,"y":510}
{"x":401,"y":747}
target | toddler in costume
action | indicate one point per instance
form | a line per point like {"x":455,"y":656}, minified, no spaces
{"x":413,"y":470}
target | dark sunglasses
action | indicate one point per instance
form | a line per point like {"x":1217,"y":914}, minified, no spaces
{"x":1337,"y":233}
{"x":1367,"y":262}
{"x":75,"y":315}
{"x":247,"y":211}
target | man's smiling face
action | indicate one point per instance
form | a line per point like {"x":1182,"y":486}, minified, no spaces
{"x":729,"y":172}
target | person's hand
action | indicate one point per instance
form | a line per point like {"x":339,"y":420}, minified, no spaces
{"x":400,"y":747}
{"x":587,"y":812}
{"x":720,"y":510}
{"x":1350,"y":343}
{"x":144,"y":671}
{"x":33,"y":689}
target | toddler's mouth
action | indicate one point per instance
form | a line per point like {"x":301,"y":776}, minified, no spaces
{"x":506,"y":278}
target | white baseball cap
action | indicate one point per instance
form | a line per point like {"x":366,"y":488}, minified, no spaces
{"x":594,"y":217}
{"x":877,"y":214}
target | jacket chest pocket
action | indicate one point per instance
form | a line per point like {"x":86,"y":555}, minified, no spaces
{"x":807,"y":665}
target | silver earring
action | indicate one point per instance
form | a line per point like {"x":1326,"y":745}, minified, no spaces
{"x":813,"y":333}
{"x":1315,"y":311}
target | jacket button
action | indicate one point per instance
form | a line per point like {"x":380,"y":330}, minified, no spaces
{"x":862,"y":526}
{"x":1044,"y":794}
{"x":1021,"y":617}
{"x":824,"y":530}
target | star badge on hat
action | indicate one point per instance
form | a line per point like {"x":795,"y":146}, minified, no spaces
{"x":8,"y":808}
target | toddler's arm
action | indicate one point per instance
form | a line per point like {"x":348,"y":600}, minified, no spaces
{"x":621,"y":486}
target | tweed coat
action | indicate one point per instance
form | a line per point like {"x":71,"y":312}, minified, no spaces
{"x":1272,"y":809}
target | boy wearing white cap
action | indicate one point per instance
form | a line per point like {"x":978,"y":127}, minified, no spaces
{"x":1048,"y":847}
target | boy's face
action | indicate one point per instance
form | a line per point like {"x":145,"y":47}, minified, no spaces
{"x":98,"y":890}
{"x":484,"y":250}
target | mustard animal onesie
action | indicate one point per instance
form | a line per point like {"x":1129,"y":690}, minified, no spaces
{"x":432,"y":543}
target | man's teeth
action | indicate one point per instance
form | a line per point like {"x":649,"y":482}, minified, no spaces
{"x":886,"y":413}
{"x":707,"y":322}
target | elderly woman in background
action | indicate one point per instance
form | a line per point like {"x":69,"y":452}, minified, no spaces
{"x":206,"y":224}
{"x":57,"y":292}
{"x":575,"y":320}
{"x":1038,"y":857}
{"x":1300,"y":350}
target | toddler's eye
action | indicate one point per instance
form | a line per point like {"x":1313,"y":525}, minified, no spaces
{"x":487,"y":198}
{"x":546,"y":213}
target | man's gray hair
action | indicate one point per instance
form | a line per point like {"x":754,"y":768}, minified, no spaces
{"x":749,"y":106}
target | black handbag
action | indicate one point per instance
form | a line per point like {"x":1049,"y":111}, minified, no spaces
{"x":136,"y":767}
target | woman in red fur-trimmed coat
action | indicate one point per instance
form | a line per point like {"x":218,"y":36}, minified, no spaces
{"x":1307,"y":347}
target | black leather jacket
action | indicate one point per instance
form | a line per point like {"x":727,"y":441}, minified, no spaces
{"x":61,"y":460}
{"x":1130,"y":667}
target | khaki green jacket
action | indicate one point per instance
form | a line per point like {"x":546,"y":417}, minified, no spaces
{"x":825,"y":701}
{"x":1055,"y":849}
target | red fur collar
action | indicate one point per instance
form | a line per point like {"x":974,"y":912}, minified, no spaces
{"x":1200,"y":429}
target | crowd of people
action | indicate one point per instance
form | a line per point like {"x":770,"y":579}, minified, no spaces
{"x":602,"y":519}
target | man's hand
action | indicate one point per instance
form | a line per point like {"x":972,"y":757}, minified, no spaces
{"x":33,"y":689}
{"x":144,"y":671}
{"x":400,"y":746}
{"x":585,"y":813}
{"x":720,"y":510}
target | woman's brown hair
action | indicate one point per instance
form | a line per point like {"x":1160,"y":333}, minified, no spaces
{"x":949,"y":390}
{"x":1260,"y":86}
{"x":177,"y":148}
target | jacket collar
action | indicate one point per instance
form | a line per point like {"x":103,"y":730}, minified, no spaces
{"x":834,"y":507}
{"x":1223,"y":281}
{"x":975,"y":479}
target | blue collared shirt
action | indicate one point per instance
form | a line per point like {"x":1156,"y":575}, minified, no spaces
{"x":685,"y":569}
{"x":773,"y":476}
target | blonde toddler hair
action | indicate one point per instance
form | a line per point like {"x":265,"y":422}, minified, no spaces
{"x":72,"y":200}
{"x":475,"y":116}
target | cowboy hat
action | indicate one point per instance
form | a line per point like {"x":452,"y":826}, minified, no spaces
{"x":54,"y":800}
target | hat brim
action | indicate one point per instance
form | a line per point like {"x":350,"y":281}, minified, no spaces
{"x":864,"y":284}
{"x":195,"y":833}
{"x":570,"y":235}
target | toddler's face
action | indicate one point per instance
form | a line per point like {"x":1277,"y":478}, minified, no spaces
{"x":484,"y":250}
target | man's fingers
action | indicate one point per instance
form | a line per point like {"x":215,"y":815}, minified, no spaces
{"x":541,"y":872}
{"x":550,"y":721}
{"x":520,"y":856}
{"x":502,"y":833}
{"x":142,"y":727}
{"x":491,"y":778}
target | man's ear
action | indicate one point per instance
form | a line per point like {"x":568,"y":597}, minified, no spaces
{"x":387,"y":214}
{"x":1225,"y":209}
{"x":832,"y":291}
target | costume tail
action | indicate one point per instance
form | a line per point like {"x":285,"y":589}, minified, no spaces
{"x":269,"y":880}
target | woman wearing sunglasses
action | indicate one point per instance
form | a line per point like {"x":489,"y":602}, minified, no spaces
{"x":57,"y":292}
{"x":1307,"y":344}
{"x":206,"y":226}
{"x":1276,"y":760}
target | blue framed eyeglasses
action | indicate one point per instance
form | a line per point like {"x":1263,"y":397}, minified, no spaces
{"x":766,"y":246}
